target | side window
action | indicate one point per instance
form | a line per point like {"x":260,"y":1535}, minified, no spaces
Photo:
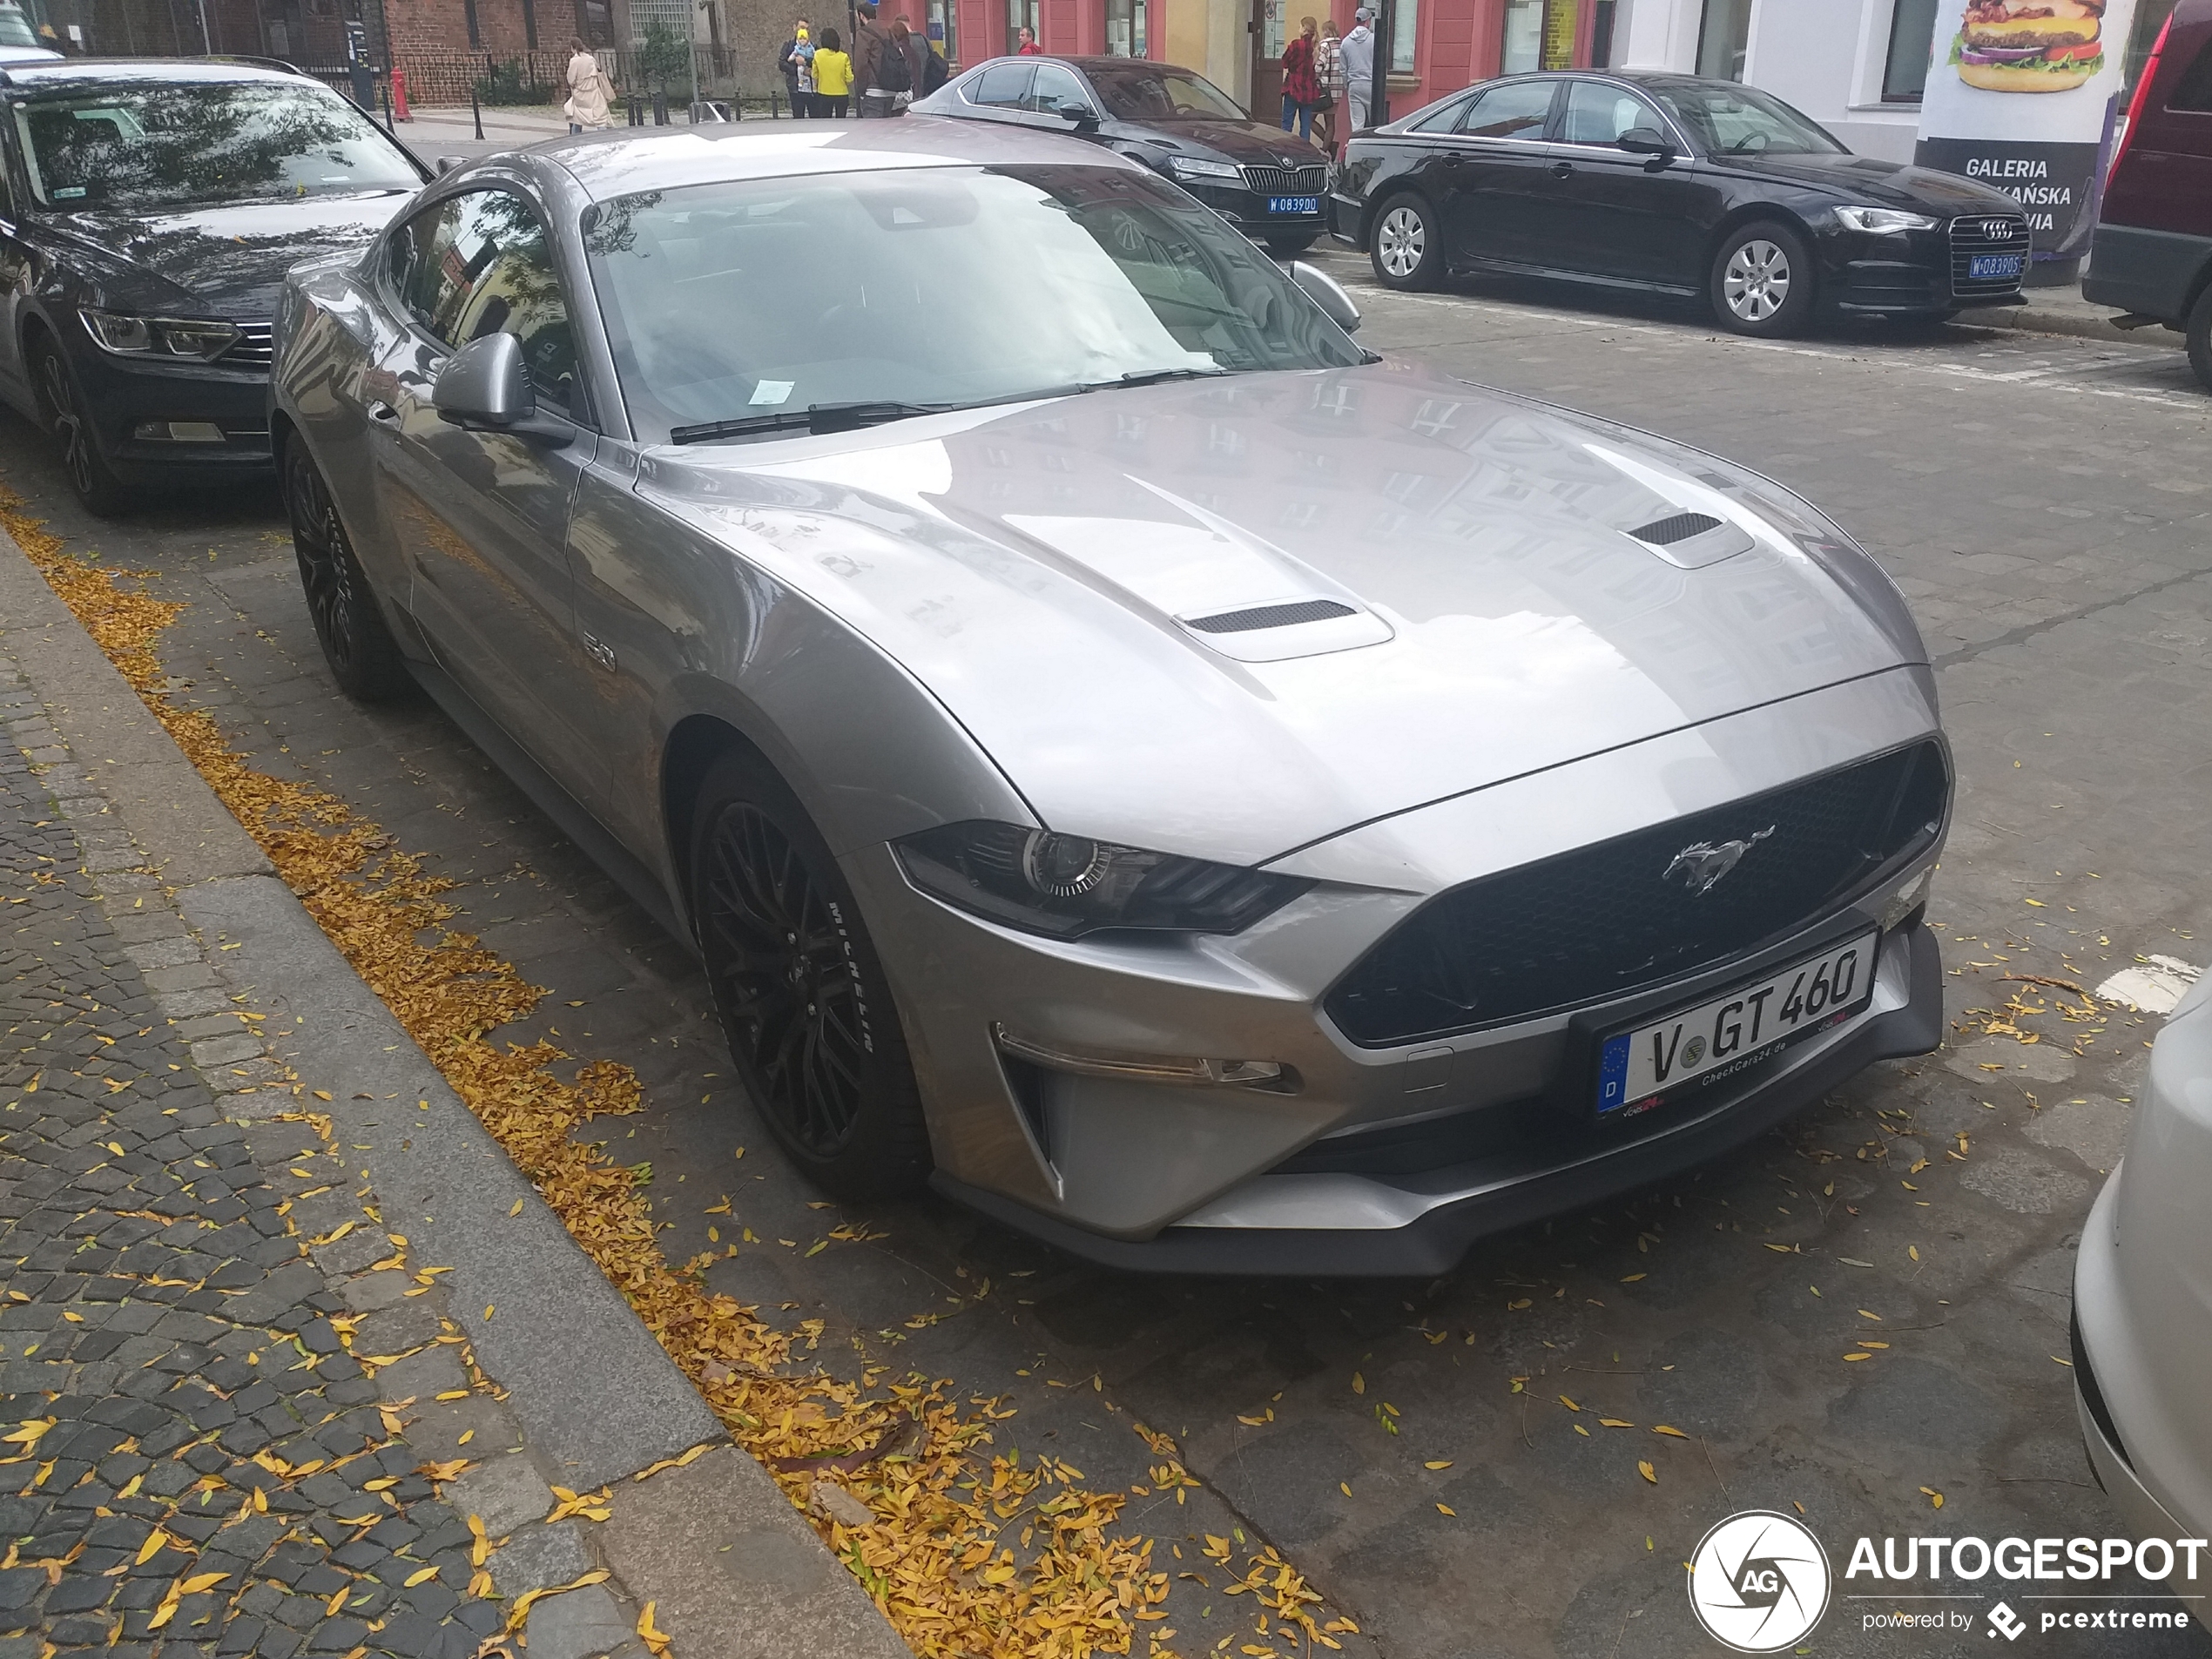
{"x":481,"y":264}
{"x":2193,"y":92}
{"x":1517,"y":110}
{"x":1003,"y":85}
{"x":1444,"y":119}
{"x":1056,"y":85}
{"x":1600,"y":114}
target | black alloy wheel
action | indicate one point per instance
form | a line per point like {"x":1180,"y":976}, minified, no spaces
{"x":90,"y":476}
{"x":364,"y":658}
{"x":2196,"y":333}
{"x":802,"y":996}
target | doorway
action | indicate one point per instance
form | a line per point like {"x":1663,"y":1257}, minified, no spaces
{"x":1267,"y":27}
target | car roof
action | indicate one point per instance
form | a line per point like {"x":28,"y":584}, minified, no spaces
{"x":144,"y":72}
{"x":622,"y":161}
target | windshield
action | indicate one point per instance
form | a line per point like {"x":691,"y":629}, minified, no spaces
{"x":15,"y":28}
{"x":1143,"y":94}
{"x":939,"y":286}
{"x":1736,"y":120}
{"x":149,"y":148}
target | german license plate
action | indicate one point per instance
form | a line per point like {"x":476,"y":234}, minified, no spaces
{"x":1988,"y":267}
{"x":1735,"y":1031}
{"x":1294,"y":203}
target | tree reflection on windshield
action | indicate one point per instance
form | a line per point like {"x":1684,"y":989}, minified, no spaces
{"x":203,"y":144}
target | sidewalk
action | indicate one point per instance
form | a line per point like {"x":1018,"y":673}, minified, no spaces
{"x":2063,"y":310}
{"x":291,"y":1358}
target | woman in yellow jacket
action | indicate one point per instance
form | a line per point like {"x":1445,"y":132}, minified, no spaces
{"x":832,"y":77}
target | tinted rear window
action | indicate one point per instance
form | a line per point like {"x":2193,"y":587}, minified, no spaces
{"x":2194,"y":90}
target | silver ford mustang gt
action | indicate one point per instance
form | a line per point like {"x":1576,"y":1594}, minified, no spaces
{"x":1183,"y":786}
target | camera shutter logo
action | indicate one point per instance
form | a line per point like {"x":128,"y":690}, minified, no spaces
{"x":1759,"y":1581}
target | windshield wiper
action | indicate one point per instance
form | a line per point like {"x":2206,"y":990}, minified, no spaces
{"x":815,"y":418}
{"x":1155,"y":376}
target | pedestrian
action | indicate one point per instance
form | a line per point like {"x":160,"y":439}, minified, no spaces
{"x":832,"y":78}
{"x":590,"y":93}
{"x":1357,"y":57}
{"x":929,"y":69}
{"x":795,"y":59}
{"x":1328,"y":75}
{"x":1300,"y":90}
{"x":1025,"y":42}
{"x":879,"y":74}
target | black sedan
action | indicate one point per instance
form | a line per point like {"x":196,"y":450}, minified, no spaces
{"x":157,"y":207}
{"x":1267,"y":182}
{"x":1672,"y":184}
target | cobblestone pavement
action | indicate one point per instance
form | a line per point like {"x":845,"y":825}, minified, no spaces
{"x":2042,"y":503}
{"x":232,"y":1420}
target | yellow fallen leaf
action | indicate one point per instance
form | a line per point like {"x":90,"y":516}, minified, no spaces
{"x":517,"y":1210}
{"x":1849,"y":1357}
{"x":1670,"y":1430}
{"x":1645,"y":1469}
{"x":151,"y":1547}
{"x":479,"y":1545}
{"x":1438,"y":1463}
{"x":422,"y":1576}
{"x":323,"y":1094}
{"x":1446,"y":1509}
{"x":1865,"y":1313}
{"x":1914,"y":1250}
{"x":1358,"y":1384}
{"x":1779,"y":1248}
{"x":1614,"y":1422}
{"x":1345,"y":1486}
{"x":1632,"y":1278}
{"x":655,"y":1640}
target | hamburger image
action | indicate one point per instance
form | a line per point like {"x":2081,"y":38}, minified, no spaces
{"x":2030,"y":46}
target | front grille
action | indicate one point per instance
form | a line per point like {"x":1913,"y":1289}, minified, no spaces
{"x":1240,"y":622}
{"x":1680,"y":527}
{"x":256,"y":347}
{"x":1605,"y":920}
{"x":1286,"y":181}
{"x":1970,"y":236}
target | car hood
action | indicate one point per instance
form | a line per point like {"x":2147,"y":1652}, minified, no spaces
{"x":1469,"y":606}
{"x":1884,"y":183}
{"x":220,"y":261}
{"x":1250,"y":144}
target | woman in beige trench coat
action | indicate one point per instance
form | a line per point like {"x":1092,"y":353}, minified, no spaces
{"x":588,"y":91}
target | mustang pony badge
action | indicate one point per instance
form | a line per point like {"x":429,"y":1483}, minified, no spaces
{"x":1701,"y":864}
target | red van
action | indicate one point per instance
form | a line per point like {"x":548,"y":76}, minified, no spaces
{"x":2151,"y":252}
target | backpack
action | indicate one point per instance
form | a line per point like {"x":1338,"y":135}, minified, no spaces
{"x":894,"y":69}
{"x":933,"y":73}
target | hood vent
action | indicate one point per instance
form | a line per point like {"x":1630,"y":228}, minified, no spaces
{"x":1284,"y":615}
{"x":1664,"y":532}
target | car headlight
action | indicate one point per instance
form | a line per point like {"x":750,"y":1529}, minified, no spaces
{"x":129,"y":336}
{"x":1199,"y":167}
{"x":1882,"y":221}
{"x":1067,"y":886}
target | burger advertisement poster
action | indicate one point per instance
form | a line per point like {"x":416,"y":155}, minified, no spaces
{"x":2021,"y":95}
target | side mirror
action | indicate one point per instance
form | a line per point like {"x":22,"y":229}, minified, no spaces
{"x":1078,"y":116}
{"x":447,"y":164}
{"x":485,"y":387}
{"x":1646,"y":141}
{"x":1325,"y":292}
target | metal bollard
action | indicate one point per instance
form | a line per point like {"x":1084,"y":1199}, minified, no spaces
{"x":389,"y":128}
{"x":660,"y":106}
{"x":475,"y":109}
{"x":637,"y":115}
{"x":775,"y":107}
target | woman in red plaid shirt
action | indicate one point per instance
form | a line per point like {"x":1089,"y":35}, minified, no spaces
{"x":1301,"y":89}
{"x":1328,"y":71}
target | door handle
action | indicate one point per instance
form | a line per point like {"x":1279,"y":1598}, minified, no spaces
{"x":383,"y":412}
{"x":1453,"y":158}
{"x":1562,"y":170}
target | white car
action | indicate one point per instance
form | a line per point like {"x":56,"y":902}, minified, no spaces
{"x":2142,"y":1300}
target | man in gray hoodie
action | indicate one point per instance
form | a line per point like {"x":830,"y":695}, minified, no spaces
{"x":1357,"y":53}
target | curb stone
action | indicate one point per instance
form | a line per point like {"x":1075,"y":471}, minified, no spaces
{"x":584,"y":1396}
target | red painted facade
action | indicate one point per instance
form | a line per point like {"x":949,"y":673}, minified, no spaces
{"x":1456,"y":42}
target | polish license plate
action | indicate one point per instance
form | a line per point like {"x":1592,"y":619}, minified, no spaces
{"x":1735,"y":1031}
{"x":1988,"y":267}
{"x":1294,"y":203}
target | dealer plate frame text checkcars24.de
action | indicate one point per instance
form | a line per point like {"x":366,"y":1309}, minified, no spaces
{"x":1737,"y":1029}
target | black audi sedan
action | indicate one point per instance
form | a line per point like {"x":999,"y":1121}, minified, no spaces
{"x":1673,"y":184}
{"x":1267,"y":182}
{"x":151,"y":211}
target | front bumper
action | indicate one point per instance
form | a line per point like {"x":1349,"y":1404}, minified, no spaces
{"x":1366,"y":1160}
{"x":123,"y":398}
{"x":1247,"y":211}
{"x":1419,"y":1223}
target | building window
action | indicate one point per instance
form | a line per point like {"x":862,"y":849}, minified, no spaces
{"x":1906,"y":72}
{"x":944,"y":29}
{"x":1539,"y":34}
{"x":1404,"y":24}
{"x":1601,"y":34}
{"x":1019,"y":15}
{"x":1724,"y":35}
{"x":1125,"y":28}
